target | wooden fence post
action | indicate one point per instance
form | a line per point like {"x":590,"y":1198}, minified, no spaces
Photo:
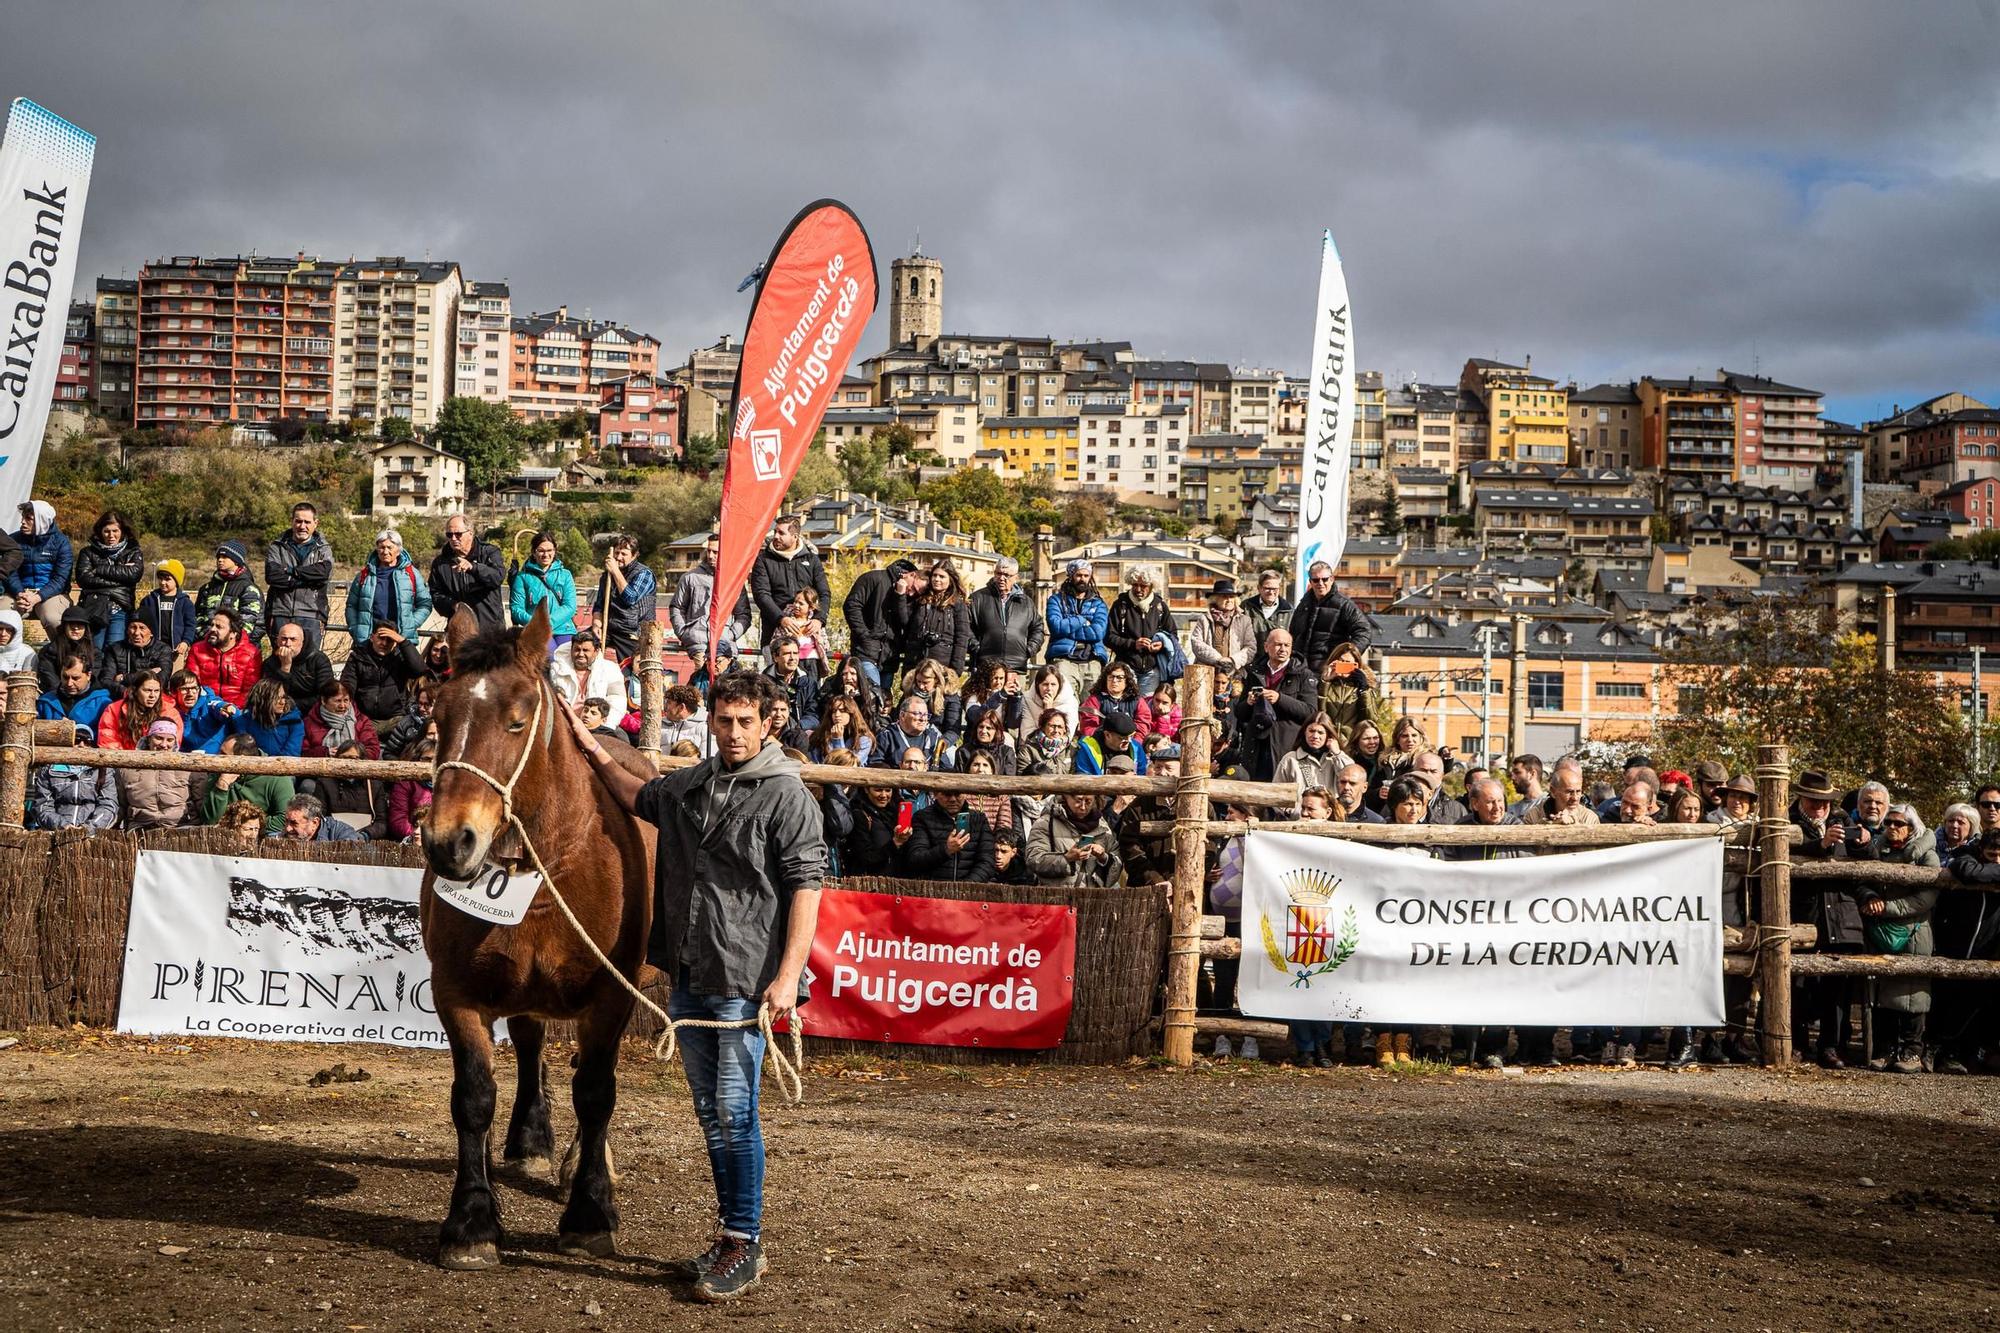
{"x":17,"y":735}
{"x":652,"y":689}
{"x":1190,"y":862}
{"x":1774,"y":903}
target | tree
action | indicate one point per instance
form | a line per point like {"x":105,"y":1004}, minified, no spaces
{"x":576,"y":424}
{"x":700,"y":454}
{"x":483,"y":434}
{"x":818,"y":474}
{"x":1392,"y":515}
{"x":397,"y":430}
{"x":1982,"y":545}
{"x":1786,"y":674}
{"x":1084,"y":519}
{"x":999,"y":527}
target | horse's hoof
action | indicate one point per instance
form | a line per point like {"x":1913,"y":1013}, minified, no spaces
{"x":537,"y":1168}
{"x":470,"y":1258}
{"x":588,"y":1244}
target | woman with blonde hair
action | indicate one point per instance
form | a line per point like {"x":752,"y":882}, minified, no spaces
{"x":1406,"y":742}
{"x":930,"y":681}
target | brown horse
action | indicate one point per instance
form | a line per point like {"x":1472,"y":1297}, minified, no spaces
{"x":501,"y":715}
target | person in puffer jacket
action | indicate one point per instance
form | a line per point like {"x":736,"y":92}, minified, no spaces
{"x":40,"y":587}
{"x":107,"y":572}
{"x":154,"y":798}
{"x":204,"y":713}
{"x":388,"y":591}
{"x":73,"y":795}
{"x":15,"y":654}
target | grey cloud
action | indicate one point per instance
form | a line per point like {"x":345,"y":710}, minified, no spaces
{"x":1614,"y":189}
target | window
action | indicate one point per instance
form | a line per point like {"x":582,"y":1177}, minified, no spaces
{"x":1545,"y":690}
{"x":1617,"y":689}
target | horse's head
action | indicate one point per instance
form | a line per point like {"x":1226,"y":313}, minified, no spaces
{"x":496,"y":713}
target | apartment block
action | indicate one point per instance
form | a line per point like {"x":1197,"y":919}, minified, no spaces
{"x":1976,"y":500}
{"x":241,"y":341}
{"x":1888,"y":443}
{"x":1527,"y":415}
{"x":485,"y":341}
{"x":76,"y":370}
{"x":1688,"y":428}
{"x":638,"y":418}
{"x":709,"y":379}
{"x":557,"y":364}
{"x":1131,"y":452}
{"x":1604,"y":426}
{"x":117,"y":346}
{"x":1778,"y":434}
{"x":1951,"y":447}
{"x":394,"y":324}
{"x":1253,"y":400}
{"x":1602,"y":528}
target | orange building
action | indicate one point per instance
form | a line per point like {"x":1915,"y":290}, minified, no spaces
{"x":558,"y":364}
{"x":239,"y":341}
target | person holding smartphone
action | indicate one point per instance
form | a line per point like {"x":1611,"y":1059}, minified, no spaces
{"x":950,"y":840}
{"x":1073,"y":843}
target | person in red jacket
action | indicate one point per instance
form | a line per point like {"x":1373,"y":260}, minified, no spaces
{"x":226,"y":659}
{"x":334,"y":721}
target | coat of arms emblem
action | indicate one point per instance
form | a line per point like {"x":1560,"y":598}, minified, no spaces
{"x":1312,"y":946}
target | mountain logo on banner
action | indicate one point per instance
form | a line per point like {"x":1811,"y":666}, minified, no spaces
{"x":767,"y":448}
{"x":1312,"y":947}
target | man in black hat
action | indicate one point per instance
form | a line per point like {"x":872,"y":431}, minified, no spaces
{"x":1826,"y":833}
{"x":1225,"y":638}
{"x":1710,"y":778}
{"x":1112,"y":741}
{"x":877,"y":608}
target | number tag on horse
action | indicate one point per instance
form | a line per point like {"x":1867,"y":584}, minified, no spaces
{"x":493,"y":894}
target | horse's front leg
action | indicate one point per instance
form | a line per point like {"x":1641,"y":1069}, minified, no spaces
{"x":588,"y":1223}
{"x":531,"y":1143}
{"x":470,"y":1237}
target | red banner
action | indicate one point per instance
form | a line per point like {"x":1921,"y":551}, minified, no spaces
{"x":816,"y":296}
{"x":941,"y":972}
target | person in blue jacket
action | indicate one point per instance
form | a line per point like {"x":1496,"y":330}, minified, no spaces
{"x":40,"y":587}
{"x":544,"y":579}
{"x":388,"y":591}
{"x":271,"y":719}
{"x":1077,"y":616}
{"x":76,"y":696}
{"x":205,"y":714}
{"x":1113,"y":738}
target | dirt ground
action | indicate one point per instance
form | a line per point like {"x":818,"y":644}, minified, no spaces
{"x":207,"y":1185}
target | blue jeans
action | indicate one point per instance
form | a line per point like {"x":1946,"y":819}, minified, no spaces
{"x":1310,"y":1036}
{"x":870,"y":673}
{"x":111,"y":633}
{"x":724,"y":1067}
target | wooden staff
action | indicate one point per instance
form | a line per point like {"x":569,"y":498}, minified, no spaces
{"x":652,"y":689}
{"x":1774,"y":904}
{"x":17,"y":734}
{"x":1190,"y":861}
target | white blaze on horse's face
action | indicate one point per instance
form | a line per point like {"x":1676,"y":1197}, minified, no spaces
{"x":492,"y":719}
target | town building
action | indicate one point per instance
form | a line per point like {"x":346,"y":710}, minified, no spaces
{"x":557,"y":363}
{"x":1778,"y":437}
{"x":416,"y":478}
{"x":1688,"y":428}
{"x":1887,"y":445}
{"x":117,"y":347}
{"x":1526,"y":415}
{"x":946,"y":424}
{"x":1129,"y":453}
{"x":1976,"y":501}
{"x":842,"y":426}
{"x":76,"y":367}
{"x":1221,"y":489}
{"x":1909,"y":533}
{"x":639,"y":417}
{"x":485,"y":341}
{"x":1950,"y":447}
{"x":1604,"y":426}
{"x":1366,"y":572}
{"x":1424,"y":495}
{"x":1270,"y":528}
{"x":239,"y":342}
{"x":1189,"y":565}
{"x":1613,"y":530}
{"x":396,"y":326}
{"x":709,"y":380}
{"x":1943,"y":608}
{"x":1253,"y":400}
{"x":916,"y":300}
{"x":1043,"y":448}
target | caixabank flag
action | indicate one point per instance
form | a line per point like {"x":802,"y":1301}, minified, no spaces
{"x":1335,"y":930}
{"x":44,"y":175}
{"x":227,"y":946}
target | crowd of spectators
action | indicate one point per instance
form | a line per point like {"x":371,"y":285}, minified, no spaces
{"x":936,"y":678}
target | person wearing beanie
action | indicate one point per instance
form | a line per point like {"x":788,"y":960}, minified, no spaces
{"x":71,"y":637}
{"x":170,"y":611}
{"x":153,"y":797}
{"x":231,"y":589}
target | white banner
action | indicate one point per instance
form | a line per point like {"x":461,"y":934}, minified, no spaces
{"x":230,"y":946}
{"x":1335,"y":930}
{"x":1329,"y":424}
{"x":44,"y":175}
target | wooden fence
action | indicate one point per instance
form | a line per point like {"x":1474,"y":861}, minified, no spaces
{"x":73,"y":977}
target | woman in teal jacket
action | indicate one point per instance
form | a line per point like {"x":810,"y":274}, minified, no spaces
{"x":388,"y":591}
{"x":544,"y":580}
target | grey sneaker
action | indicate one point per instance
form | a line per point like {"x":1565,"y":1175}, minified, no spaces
{"x":1492,"y":1062}
{"x":1250,"y":1051}
{"x":1221,"y":1051}
{"x":736,"y":1269}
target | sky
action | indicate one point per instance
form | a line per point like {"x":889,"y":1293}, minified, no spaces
{"x":1810,"y":188}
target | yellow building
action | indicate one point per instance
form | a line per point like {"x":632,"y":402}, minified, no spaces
{"x":1527,"y":415}
{"x":1039,"y":447}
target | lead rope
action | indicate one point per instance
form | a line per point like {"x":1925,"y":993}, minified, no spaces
{"x":790,"y":1071}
